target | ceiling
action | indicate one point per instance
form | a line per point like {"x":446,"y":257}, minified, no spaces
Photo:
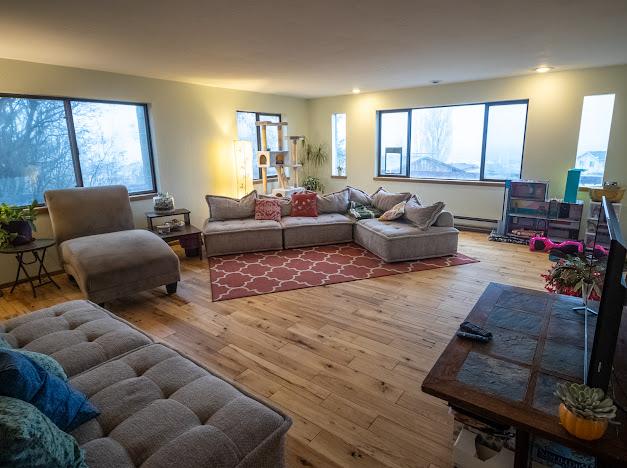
{"x":317,"y":47}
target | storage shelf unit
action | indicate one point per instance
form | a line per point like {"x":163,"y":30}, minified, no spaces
{"x":603,"y":238}
{"x":529,"y":213}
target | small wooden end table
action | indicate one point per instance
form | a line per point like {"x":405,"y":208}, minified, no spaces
{"x":188,"y":236}
{"x":34,"y":248}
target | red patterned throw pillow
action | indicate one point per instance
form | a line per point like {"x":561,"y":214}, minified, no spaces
{"x":268,"y":209}
{"x":305,"y":204}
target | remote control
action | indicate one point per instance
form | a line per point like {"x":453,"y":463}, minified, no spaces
{"x":473,"y":337}
{"x":469,"y":327}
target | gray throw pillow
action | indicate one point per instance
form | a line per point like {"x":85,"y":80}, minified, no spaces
{"x":385,"y":200}
{"x":284,"y":203}
{"x":48,"y":363}
{"x":358,"y":196}
{"x":29,"y":438}
{"x":423,"y":216}
{"x":336,"y":202}
{"x":222,"y":208}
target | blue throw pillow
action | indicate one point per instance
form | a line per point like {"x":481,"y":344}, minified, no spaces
{"x":28,"y":439}
{"x":49,"y":363}
{"x":23,"y":379}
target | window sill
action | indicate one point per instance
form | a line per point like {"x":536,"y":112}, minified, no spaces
{"x":270,"y":179}
{"x":43,"y":209}
{"x":482,"y":183}
{"x":339,"y":177}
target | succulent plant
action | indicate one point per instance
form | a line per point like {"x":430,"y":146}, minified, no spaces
{"x":586,"y":402}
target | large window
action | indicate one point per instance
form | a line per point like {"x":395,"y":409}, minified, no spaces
{"x":594,"y":136}
{"x":466,"y":142}
{"x":247,"y":130}
{"x":338,"y":146}
{"x":49,"y":143}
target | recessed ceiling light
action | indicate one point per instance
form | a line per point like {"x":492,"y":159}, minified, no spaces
{"x":356,"y":90}
{"x":544,"y":69}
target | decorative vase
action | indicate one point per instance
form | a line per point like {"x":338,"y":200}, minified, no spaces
{"x":163,"y":202}
{"x":22,"y":230}
{"x":582,"y":428}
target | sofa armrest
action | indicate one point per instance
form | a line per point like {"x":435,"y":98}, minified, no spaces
{"x":445,"y":219}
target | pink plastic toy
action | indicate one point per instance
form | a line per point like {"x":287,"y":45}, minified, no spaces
{"x":544,"y":244}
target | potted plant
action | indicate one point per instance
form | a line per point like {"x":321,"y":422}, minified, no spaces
{"x":17,"y":224}
{"x":584,"y":412}
{"x":313,"y":184}
{"x":573,"y":274}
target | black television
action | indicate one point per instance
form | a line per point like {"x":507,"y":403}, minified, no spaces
{"x":612,"y":302}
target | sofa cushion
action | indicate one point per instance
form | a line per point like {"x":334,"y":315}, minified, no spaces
{"x":159,"y":408}
{"x":336,"y":202}
{"x":241,"y":235}
{"x":423,"y":217}
{"x":221,"y":208}
{"x":394,"y":213}
{"x":266,"y":209}
{"x":399,"y":240}
{"x":30,"y":439}
{"x":385,"y":200}
{"x":47,"y":363}
{"x":284,"y":203}
{"x":77,"y":334}
{"x":118,"y":262}
{"x":358,"y":196}
{"x":305,"y":204}
{"x":23,"y":379}
{"x":328,"y":228}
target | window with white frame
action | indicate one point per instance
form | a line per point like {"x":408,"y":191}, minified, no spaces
{"x":248,"y":130}
{"x":594,"y":136}
{"x":50,"y":143}
{"x":338,"y":144}
{"x":467,"y":142}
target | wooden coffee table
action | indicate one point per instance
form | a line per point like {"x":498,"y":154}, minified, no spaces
{"x":538,"y":342}
{"x":188,"y":236}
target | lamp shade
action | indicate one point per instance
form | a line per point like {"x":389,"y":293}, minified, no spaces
{"x":243,"y":158}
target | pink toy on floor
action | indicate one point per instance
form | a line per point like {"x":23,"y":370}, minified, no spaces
{"x":544,"y":244}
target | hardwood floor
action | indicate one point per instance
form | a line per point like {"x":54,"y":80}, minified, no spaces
{"x":344,"y":361}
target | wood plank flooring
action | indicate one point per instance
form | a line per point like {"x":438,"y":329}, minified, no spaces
{"x":344,"y":361}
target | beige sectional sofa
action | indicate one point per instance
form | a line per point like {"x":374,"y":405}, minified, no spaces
{"x":232,"y":229}
{"x":158,"y":408}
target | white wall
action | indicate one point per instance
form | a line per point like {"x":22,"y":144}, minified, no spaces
{"x":193,"y":128}
{"x":555,"y":103}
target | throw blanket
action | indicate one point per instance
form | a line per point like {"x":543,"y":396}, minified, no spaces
{"x":359,"y":211}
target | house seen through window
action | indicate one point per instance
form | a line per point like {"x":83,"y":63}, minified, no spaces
{"x":594,"y":136}
{"x":59,"y":143}
{"x":338,"y":144}
{"x":467,"y":142}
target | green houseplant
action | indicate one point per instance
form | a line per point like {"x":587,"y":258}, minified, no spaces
{"x":17,"y":224}
{"x":313,"y":184}
{"x":584,"y":412}
{"x":314,"y":157}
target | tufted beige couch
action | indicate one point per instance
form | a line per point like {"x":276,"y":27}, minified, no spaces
{"x":158,"y":408}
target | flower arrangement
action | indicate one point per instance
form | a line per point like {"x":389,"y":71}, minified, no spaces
{"x":584,"y":412}
{"x":568,"y":276}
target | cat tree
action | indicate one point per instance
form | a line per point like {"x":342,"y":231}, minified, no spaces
{"x":280,"y":159}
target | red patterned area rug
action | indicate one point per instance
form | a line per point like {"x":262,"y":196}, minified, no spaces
{"x":251,"y":274}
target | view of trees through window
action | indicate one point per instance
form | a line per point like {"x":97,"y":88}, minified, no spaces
{"x":452,"y":143}
{"x":36,"y":147}
{"x":594,"y":136}
{"x":338,"y":139}
{"x":247,"y":130}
